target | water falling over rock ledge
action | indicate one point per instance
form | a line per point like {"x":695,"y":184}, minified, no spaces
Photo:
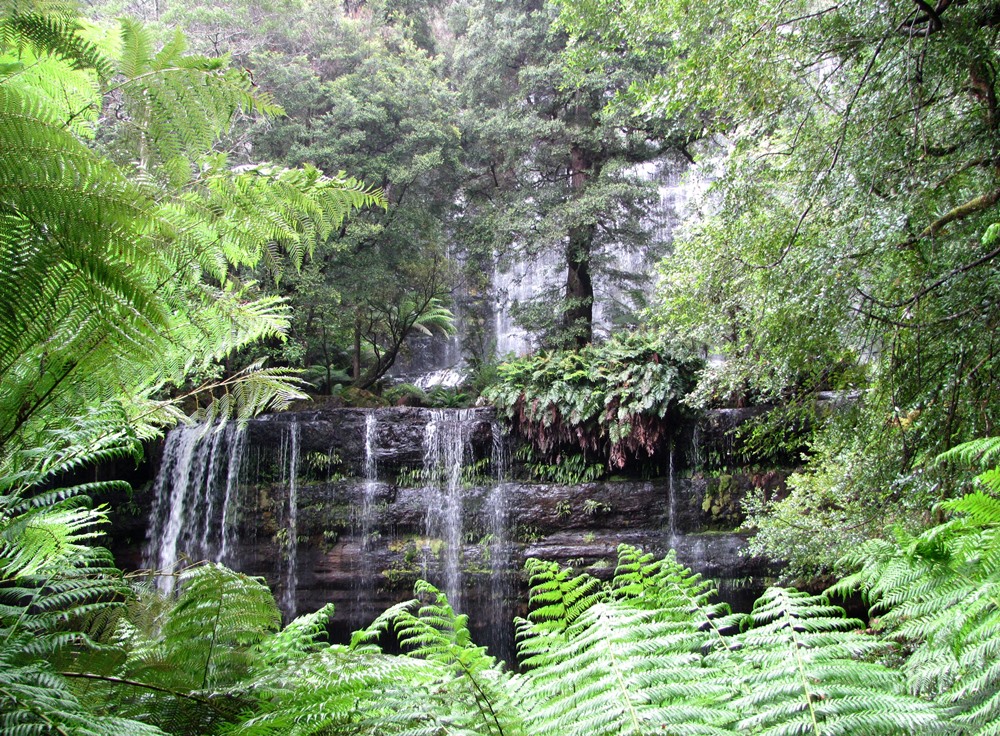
{"x":353,"y":505}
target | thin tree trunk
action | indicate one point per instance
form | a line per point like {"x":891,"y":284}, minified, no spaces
{"x":578,"y":315}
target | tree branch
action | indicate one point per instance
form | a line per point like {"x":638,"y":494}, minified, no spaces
{"x":978,"y":204}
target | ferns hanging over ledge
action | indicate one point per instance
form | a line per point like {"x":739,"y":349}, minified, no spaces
{"x":615,"y":403}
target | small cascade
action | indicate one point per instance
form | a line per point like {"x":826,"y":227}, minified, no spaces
{"x":366,"y":582}
{"x":290,"y":451}
{"x":501,"y":549}
{"x":195,"y":499}
{"x":446,"y":441}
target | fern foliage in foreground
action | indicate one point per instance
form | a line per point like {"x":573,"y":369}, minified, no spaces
{"x":443,"y":684}
{"x":805,"y":668}
{"x":939,"y":593}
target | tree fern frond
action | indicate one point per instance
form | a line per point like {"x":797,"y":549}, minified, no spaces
{"x":300,"y":637}
{"x":54,"y":35}
{"x":672,"y":589}
{"x":558,"y":596}
{"x":624,"y":670}
{"x":983,"y":452}
{"x":472,"y":678}
{"x":807,"y":670}
{"x":219,"y":616}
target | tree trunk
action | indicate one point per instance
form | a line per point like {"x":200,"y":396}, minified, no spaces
{"x":578,"y":313}
{"x":356,"y":362}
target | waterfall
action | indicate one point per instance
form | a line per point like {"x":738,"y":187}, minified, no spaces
{"x":290,"y":450}
{"x":501,"y":636}
{"x":366,"y":583}
{"x":195,"y":499}
{"x":446,"y":439}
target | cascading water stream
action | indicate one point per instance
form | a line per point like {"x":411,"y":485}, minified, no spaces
{"x":446,"y":438}
{"x":366,"y":582}
{"x":230,"y":504}
{"x":501,"y":638}
{"x":672,"y":500}
{"x":195,"y":498}
{"x":291,"y":445}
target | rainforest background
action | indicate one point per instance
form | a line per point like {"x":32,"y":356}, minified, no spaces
{"x":171,"y":213}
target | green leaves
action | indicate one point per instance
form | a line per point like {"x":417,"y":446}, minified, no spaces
{"x":939,"y":594}
{"x":610,"y":401}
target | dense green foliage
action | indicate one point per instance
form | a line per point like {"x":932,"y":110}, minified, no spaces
{"x":614,"y":403}
{"x":849,"y":240}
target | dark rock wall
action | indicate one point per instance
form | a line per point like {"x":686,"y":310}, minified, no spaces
{"x":694,"y":510}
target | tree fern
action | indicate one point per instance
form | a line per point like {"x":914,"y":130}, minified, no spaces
{"x":627,"y":659}
{"x":940,"y":593}
{"x":805,"y":668}
{"x":443,"y":684}
{"x":477,"y":681}
{"x":625,"y":670}
{"x":103,"y":281}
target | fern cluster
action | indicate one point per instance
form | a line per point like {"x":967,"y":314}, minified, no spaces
{"x":118,"y":285}
{"x":612,"y":402}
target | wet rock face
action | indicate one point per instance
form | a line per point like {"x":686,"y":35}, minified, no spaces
{"x":362,"y":542}
{"x":340,"y":433}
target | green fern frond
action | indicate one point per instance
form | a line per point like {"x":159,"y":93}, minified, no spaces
{"x":34,"y":699}
{"x":177,"y":103}
{"x":557,"y":595}
{"x":940,"y":593}
{"x":300,"y":637}
{"x":470,"y":677}
{"x":338,"y":690}
{"x":675,"y":591}
{"x":50,"y":34}
{"x":625,"y":670}
{"x":983,"y":452}
{"x":219,"y":617}
{"x":808,"y":670}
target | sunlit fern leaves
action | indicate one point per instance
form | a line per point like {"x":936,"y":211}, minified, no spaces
{"x":300,"y":637}
{"x":260,"y":214}
{"x":473,"y":679}
{"x":34,"y":699}
{"x":625,"y":659}
{"x":939,"y":593}
{"x":983,"y":452}
{"x":443,"y":683}
{"x":51,"y":34}
{"x":207,"y":638}
{"x":557,"y":597}
{"x":70,"y":224}
{"x":625,"y":670}
{"x":176,"y":656}
{"x":806,"y":669}
{"x":675,"y":591}
{"x":55,"y":588}
{"x":343,"y":692}
{"x":111,"y":289}
{"x":175,"y":105}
